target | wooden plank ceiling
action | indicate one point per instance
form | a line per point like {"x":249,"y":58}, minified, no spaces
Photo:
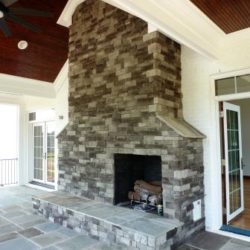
{"x":229,"y":15}
{"x":47,"y":49}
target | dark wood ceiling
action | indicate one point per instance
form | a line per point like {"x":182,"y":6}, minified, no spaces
{"x":47,"y":50}
{"x":229,"y":15}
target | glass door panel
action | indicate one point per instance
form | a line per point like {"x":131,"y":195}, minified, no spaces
{"x":50,"y":132}
{"x":233,"y":155}
{"x":38,"y":152}
{"x":44,"y":152}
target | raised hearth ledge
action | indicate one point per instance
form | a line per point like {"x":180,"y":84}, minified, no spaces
{"x":108,"y":223}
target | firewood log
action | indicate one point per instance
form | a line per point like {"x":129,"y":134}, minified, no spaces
{"x":134,"y":196}
{"x":139,"y":190}
{"x":152,"y":189}
{"x":155,"y":183}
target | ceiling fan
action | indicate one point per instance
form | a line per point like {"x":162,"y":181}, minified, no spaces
{"x":13,"y":14}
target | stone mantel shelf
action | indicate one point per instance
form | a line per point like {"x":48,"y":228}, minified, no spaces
{"x":180,"y":126}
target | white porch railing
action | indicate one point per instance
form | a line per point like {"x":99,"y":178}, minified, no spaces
{"x":8,"y":171}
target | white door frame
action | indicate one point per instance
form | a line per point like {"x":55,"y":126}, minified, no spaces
{"x":236,"y":108}
{"x":214,"y":170}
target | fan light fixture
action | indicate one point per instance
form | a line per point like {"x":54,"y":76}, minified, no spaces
{"x":14,"y":14}
{"x":22,"y":45}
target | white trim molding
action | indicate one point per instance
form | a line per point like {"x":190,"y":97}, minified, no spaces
{"x":16,"y":85}
{"x":61,"y":77}
{"x":65,"y":18}
{"x":151,"y":28}
{"x":231,"y":73}
{"x":20,"y":86}
{"x":189,"y":27}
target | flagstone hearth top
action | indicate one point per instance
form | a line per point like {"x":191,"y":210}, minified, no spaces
{"x":149,"y":224}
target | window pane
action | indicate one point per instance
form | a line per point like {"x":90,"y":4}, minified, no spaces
{"x":243,"y":83}
{"x":225,"y":86}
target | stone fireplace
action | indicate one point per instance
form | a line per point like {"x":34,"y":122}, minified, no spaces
{"x":125,"y":109}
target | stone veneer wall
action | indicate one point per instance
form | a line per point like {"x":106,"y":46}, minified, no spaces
{"x":120,"y":76}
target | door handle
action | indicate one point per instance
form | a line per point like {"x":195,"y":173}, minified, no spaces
{"x":242,"y":163}
{"x":45,"y":156}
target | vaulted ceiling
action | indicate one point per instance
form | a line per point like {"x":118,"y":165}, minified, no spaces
{"x":47,"y":49}
{"x":229,"y":15}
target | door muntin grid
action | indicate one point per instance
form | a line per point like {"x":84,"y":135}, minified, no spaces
{"x":44,"y":152}
{"x":234,"y":166}
{"x":50,"y":132}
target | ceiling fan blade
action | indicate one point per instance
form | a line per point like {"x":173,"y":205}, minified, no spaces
{"x":5,"y":29}
{"x":30,"y":12}
{"x":7,"y":3}
{"x":22,"y":22}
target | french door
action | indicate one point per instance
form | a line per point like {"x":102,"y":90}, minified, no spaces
{"x":44,"y":152}
{"x":233,"y":160}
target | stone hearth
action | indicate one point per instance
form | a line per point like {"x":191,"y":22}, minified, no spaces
{"x":108,"y":223}
{"x":125,"y":98}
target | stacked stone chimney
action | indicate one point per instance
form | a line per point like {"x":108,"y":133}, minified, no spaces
{"x":121,"y":77}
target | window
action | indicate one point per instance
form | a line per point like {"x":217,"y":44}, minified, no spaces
{"x":243,"y":83}
{"x":232,"y":85}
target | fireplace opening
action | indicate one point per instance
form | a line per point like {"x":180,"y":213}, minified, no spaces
{"x":138,"y":182}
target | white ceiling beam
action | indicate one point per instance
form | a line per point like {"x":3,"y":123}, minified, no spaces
{"x":65,"y":18}
{"x":62,"y":77}
{"x":180,"y":20}
{"x":23,"y":86}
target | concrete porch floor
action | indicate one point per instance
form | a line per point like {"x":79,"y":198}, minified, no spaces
{"x":22,"y":229}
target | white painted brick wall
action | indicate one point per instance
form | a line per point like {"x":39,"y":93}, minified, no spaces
{"x":199,"y":110}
